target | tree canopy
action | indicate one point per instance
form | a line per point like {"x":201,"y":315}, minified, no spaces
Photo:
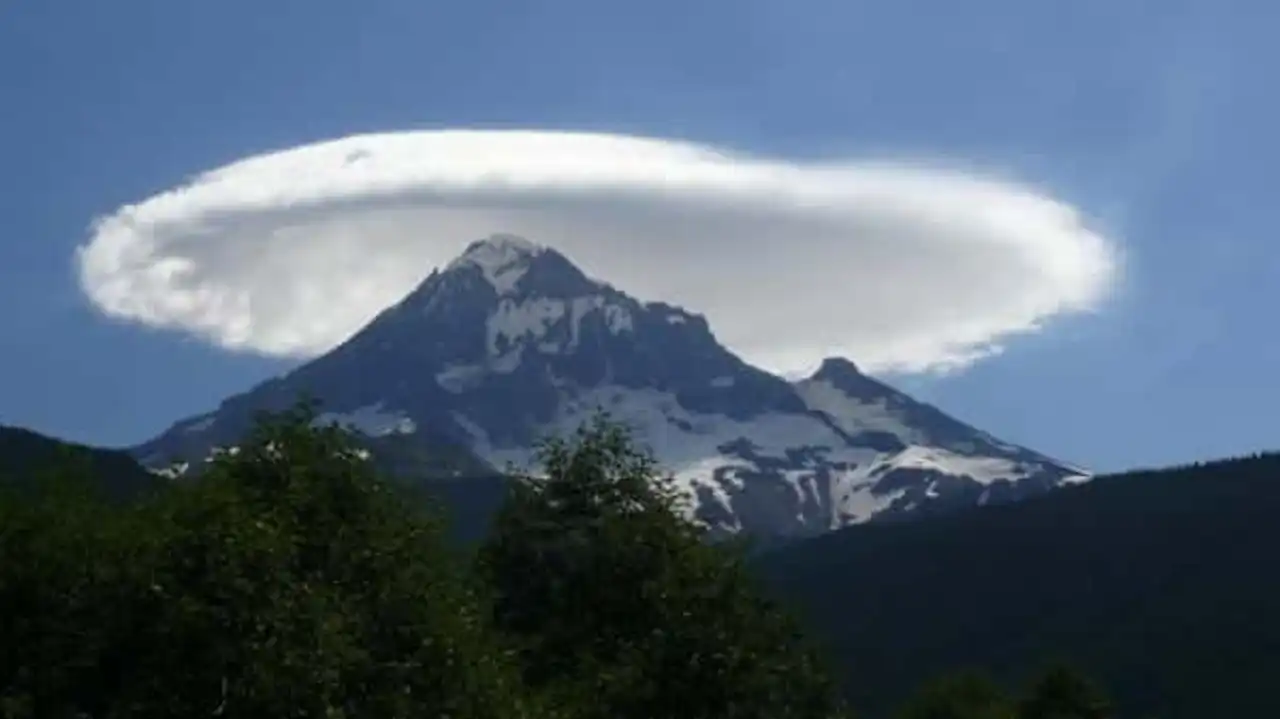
{"x":291,"y":579}
{"x":288,"y":581}
{"x":611,"y":592}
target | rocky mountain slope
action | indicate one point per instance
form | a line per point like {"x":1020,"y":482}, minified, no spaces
{"x":511,"y":342}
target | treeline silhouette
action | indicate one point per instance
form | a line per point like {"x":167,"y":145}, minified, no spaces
{"x":291,"y":580}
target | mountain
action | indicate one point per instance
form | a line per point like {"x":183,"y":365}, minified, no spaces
{"x":511,"y":341}
{"x":1160,"y":584}
{"x":28,"y":458}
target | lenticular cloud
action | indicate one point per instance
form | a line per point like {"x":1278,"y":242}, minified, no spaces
{"x":898,"y":267}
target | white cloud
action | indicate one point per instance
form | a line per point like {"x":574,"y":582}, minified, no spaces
{"x":899,"y":267}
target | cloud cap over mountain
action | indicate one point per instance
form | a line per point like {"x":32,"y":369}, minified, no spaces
{"x":902,"y":267}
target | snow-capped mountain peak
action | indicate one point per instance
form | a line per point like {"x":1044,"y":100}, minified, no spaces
{"x":511,"y":342}
{"x":502,"y":259}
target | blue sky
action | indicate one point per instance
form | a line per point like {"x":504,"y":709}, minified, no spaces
{"x":1155,"y":118}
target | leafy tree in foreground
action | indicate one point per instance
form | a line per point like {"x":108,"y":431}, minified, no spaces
{"x":290,"y":581}
{"x":616,"y":602}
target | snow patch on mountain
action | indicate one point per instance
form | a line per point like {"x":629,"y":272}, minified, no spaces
{"x":513,"y":321}
{"x":530,"y":320}
{"x":983,"y":470}
{"x":458,"y":378}
{"x":370,"y":420}
{"x":861,"y":503}
{"x":200,"y":424}
{"x":855,"y":415}
{"x":480,"y":441}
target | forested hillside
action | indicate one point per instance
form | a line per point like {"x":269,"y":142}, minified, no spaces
{"x":291,"y":579}
{"x":1160,"y":584}
{"x":1163,"y":584}
{"x":28,"y":459}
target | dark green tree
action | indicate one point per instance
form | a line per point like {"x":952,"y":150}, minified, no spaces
{"x":612,"y":596}
{"x":61,"y":551}
{"x":1061,"y":692}
{"x":288,"y":581}
{"x":963,"y":695}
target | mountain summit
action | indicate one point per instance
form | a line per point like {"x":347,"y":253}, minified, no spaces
{"x":511,"y":342}
{"x":502,"y":259}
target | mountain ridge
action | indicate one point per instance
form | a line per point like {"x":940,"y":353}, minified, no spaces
{"x":29,"y":458}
